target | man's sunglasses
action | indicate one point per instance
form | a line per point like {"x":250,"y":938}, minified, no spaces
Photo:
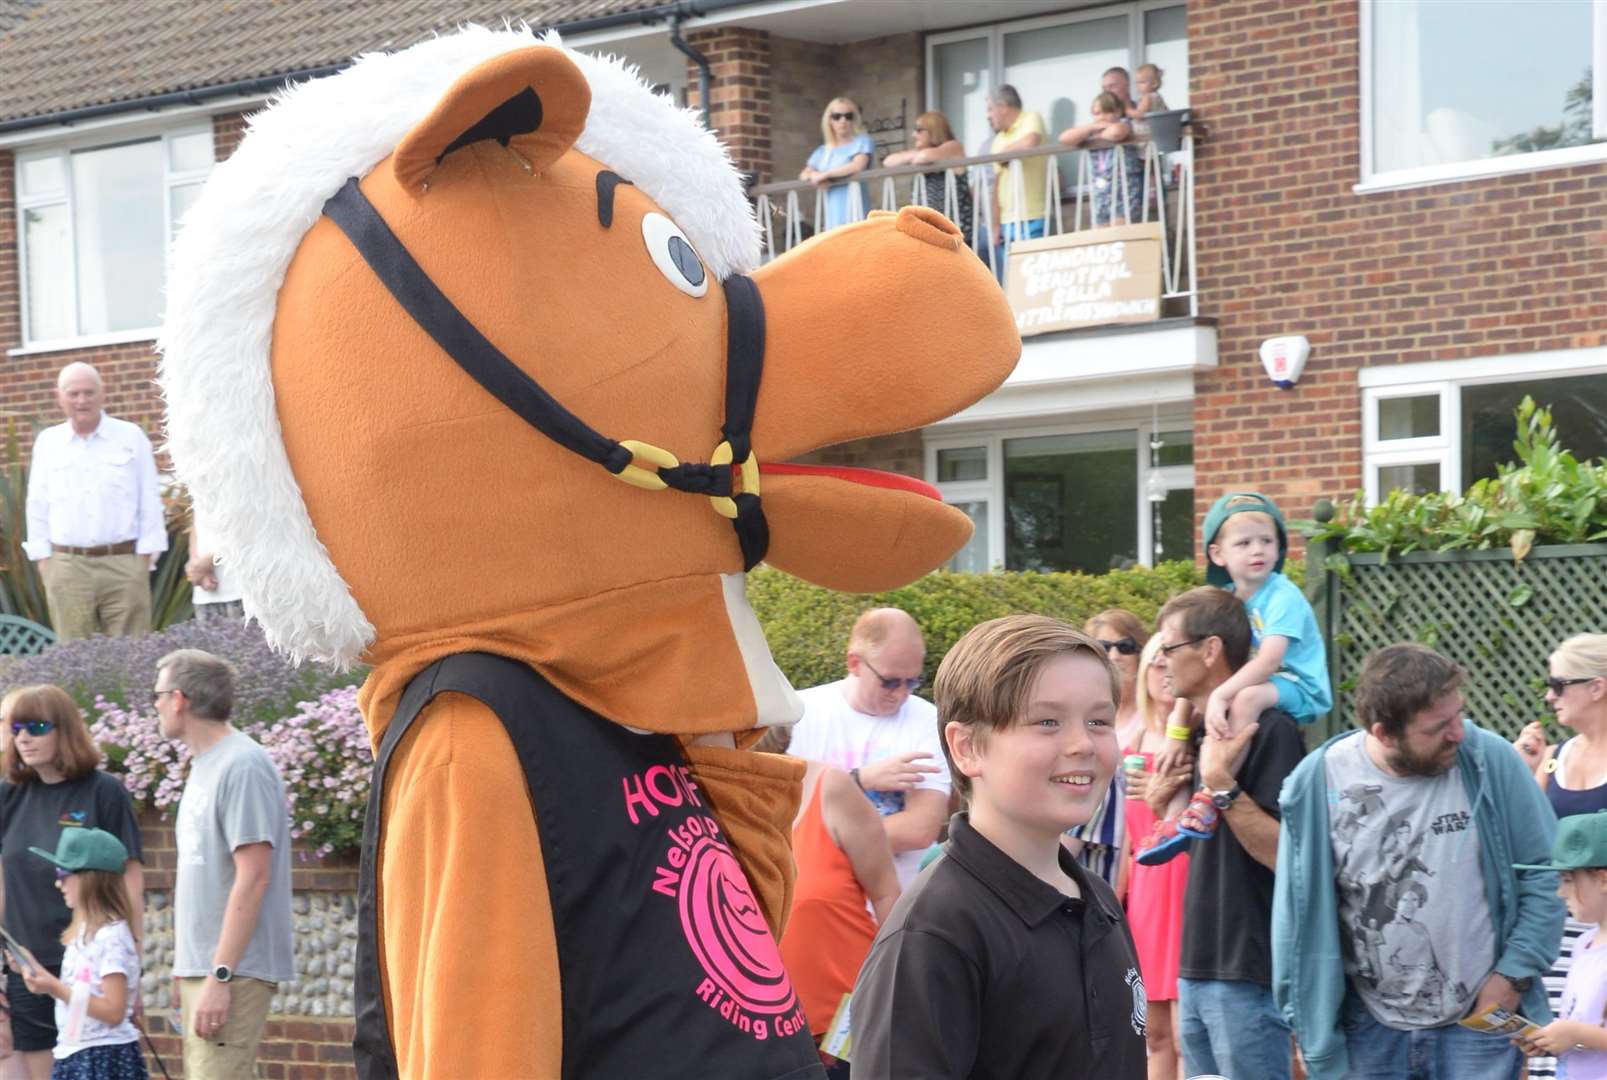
{"x":842,"y":116}
{"x":36,"y":728}
{"x":1557,"y":686}
{"x":1126,"y":646}
{"x":1170,"y":649}
{"x":894,"y":684}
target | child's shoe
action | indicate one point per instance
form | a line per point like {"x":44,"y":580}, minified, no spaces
{"x":1171,"y":837}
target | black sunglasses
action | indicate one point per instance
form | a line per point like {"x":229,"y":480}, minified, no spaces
{"x":1557,"y":686}
{"x":894,"y":684}
{"x":156,"y":695}
{"x":1170,"y":649}
{"x":36,"y":728}
{"x":1126,"y":646}
{"x":842,"y":116}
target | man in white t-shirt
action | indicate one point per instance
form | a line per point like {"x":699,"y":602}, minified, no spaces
{"x":871,"y":725}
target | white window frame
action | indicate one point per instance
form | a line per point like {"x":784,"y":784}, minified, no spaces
{"x":1446,"y":378}
{"x":995,"y":32}
{"x":63,"y":150}
{"x":1393,"y":180}
{"x":991,"y":489}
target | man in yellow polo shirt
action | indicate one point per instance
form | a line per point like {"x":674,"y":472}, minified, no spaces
{"x":1019,"y":200}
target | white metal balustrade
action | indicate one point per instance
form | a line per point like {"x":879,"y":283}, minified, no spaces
{"x":782,"y":206}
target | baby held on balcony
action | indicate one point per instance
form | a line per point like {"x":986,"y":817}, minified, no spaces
{"x":1118,"y":171}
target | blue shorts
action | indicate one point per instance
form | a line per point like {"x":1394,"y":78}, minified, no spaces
{"x":1296,"y":700}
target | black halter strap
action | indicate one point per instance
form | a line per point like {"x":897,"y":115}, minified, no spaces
{"x":422,"y":299}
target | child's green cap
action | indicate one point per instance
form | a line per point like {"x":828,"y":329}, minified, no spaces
{"x":1581,"y":844}
{"x":87,"y":849}
{"x":1220,"y":511}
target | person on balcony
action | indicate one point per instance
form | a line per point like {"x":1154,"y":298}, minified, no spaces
{"x":1019,"y":200}
{"x":934,"y":142}
{"x":1118,"y":170}
{"x":847,"y":150}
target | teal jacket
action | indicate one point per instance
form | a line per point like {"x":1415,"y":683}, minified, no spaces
{"x":1515,"y":825}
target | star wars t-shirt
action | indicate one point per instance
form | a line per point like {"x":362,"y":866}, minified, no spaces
{"x":1413,"y":918}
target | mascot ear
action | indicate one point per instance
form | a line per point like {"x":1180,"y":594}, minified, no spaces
{"x":533,"y":101}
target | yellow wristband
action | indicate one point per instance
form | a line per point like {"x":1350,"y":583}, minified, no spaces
{"x":1179,"y":732}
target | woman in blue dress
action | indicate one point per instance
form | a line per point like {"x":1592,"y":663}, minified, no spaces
{"x":847,"y":150}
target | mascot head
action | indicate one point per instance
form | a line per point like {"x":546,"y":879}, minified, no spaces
{"x":462,"y":352}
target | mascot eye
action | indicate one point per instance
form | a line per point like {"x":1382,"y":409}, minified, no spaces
{"x":673,"y":255}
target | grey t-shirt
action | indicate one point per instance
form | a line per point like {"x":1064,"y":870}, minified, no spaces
{"x":234,"y":796}
{"x":1413,"y":917}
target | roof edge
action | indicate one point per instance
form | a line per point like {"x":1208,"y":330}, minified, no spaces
{"x":266,"y":84}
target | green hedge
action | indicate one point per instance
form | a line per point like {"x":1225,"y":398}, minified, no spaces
{"x":808,"y":626}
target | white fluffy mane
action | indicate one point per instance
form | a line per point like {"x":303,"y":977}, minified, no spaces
{"x":227,"y":263}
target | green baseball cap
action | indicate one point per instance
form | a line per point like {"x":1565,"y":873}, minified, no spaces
{"x":87,"y":849}
{"x":1581,"y":844}
{"x":1220,"y":512}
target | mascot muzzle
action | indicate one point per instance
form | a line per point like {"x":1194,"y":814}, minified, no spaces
{"x":632,"y":461}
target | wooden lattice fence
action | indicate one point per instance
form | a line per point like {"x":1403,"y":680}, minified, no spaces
{"x":1498,"y":617}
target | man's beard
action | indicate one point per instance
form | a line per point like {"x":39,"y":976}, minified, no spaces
{"x":1409,"y":764}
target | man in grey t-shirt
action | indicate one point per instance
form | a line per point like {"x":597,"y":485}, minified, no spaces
{"x":232,"y":892}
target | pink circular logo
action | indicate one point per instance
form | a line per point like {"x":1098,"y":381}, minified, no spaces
{"x":727,"y":931}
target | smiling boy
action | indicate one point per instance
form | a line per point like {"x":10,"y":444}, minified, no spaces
{"x":1005,"y":958}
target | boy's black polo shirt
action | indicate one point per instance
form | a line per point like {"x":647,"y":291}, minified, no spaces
{"x":984,"y":971}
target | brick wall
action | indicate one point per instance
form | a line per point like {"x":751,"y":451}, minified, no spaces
{"x":739,"y":92}
{"x":293,"y":1047}
{"x":885,"y":76}
{"x":1494,"y":267}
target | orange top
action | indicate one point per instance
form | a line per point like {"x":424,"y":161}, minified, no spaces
{"x":830,"y":930}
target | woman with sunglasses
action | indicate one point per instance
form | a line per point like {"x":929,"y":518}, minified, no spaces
{"x":1573,"y":774}
{"x":52,"y":781}
{"x":845,"y":149}
{"x":934,"y":142}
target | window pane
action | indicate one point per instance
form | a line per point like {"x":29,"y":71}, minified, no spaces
{"x":1177,"y":448}
{"x":1057,"y":71}
{"x":962,"y":78}
{"x":967,"y":463}
{"x":973,"y":557}
{"x":117,"y":200}
{"x":190,"y":153}
{"x":1578,"y":407}
{"x":1174,"y":534}
{"x":47,"y":245}
{"x":181,"y":198}
{"x":1464,"y":82}
{"x":1417,"y":479}
{"x":1071,"y":501}
{"x":1409,"y":417}
{"x":42,"y":176}
{"x":1166,"y":45}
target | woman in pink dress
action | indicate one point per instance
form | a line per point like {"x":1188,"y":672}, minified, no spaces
{"x":1155,"y":893}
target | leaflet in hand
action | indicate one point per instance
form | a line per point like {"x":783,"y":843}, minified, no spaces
{"x":1499,"y":1021}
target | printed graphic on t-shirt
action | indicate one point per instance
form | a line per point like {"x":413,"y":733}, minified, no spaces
{"x":1414,"y":921}
{"x":1140,"y":1017}
{"x":73,"y":819}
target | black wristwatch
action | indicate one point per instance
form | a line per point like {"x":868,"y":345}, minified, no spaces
{"x":1224,"y":799}
{"x":1523,"y":985}
{"x":223,"y":973}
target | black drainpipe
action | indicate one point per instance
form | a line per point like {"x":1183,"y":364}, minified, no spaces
{"x":697,"y":58}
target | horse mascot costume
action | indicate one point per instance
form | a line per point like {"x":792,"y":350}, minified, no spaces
{"x":471,"y":369}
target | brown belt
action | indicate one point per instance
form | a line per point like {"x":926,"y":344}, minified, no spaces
{"x":124,"y":548}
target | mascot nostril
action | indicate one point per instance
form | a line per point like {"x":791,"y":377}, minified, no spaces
{"x":500,"y":309}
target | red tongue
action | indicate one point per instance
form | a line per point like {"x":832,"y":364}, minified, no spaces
{"x":867,"y":477}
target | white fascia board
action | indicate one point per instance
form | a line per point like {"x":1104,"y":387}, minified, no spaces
{"x":1551,"y":361}
{"x":136,"y":118}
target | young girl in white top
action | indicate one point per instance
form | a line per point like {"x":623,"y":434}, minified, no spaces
{"x":95,"y":997}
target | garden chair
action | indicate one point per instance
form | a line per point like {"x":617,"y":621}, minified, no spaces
{"x":24,"y":637}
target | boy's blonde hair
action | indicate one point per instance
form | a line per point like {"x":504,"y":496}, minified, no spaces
{"x":102,"y":900}
{"x":1107,"y":103}
{"x":984,"y":681}
{"x":1153,"y":70}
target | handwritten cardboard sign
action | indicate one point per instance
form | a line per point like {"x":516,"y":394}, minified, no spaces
{"x":1087,"y":278}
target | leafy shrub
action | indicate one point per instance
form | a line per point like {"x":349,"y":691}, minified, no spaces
{"x":1547,"y":496}
{"x":808,"y":626}
{"x":321,"y":750}
{"x":122,"y":670}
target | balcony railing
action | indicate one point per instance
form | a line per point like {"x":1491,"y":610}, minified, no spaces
{"x":791,"y":211}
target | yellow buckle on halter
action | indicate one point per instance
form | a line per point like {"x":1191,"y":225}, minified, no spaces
{"x":637,"y":476}
{"x":726,"y":507}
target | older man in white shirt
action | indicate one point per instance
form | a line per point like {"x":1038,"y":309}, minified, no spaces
{"x":95,"y":522}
